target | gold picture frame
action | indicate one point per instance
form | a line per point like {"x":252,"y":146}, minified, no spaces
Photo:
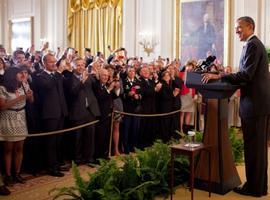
{"x":21,"y":33}
{"x":226,"y":35}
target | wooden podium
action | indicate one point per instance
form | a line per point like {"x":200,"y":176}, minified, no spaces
{"x":224,"y":175}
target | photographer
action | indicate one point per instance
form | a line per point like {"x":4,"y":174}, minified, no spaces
{"x":117,"y":103}
{"x":119,"y":54}
{"x":88,"y":57}
{"x":18,"y":57}
{"x":36,"y":60}
{"x":104,"y":91}
{"x":165,"y":103}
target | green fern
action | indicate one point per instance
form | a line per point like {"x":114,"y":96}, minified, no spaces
{"x":237,"y":145}
{"x":142,"y":176}
{"x":268,"y":54}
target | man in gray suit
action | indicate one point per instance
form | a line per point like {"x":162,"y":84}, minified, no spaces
{"x":254,"y":106}
{"x":83,"y":108}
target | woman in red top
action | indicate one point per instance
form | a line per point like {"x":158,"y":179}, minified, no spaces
{"x":187,"y":96}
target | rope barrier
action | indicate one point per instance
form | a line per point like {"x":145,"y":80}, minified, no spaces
{"x":53,"y":132}
{"x":147,"y":115}
{"x":90,"y":123}
{"x":137,"y":115}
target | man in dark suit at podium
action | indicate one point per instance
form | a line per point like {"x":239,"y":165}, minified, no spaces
{"x":254,"y":106}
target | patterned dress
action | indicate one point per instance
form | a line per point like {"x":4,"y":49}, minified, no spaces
{"x":13,"y":120}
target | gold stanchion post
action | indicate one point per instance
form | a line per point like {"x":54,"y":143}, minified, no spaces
{"x":111,"y":135}
{"x":195,"y":114}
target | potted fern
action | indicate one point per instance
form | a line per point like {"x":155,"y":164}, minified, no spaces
{"x":143,"y":176}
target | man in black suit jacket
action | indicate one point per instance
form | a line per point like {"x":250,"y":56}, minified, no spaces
{"x":148,"y":133}
{"x":254,"y":106}
{"x":53,"y":110}
{"x":104,"y":94}
{"x":83,"y":108}
{"x":131,"y":102}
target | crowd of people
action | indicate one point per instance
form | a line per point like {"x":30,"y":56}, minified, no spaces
{"x":43,"y":91}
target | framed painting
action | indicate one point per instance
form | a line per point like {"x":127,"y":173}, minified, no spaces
{"x":203,"y":28}
{"x":21,"y":34}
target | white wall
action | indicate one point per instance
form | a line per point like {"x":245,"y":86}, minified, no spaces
{"x":167,"y":28}
{"x":3,"y":22}
{"x":151,"y":16}
{"x":266,"y":18}
{"x":129,"y":27}
{"x":49,"y":19}
{"x":54,"y":18}
{"x":260,"y":11}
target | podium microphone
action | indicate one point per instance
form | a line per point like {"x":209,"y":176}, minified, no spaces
{"x":203,"y":65}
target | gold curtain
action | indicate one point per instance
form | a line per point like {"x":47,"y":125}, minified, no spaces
{"x":95,"y":24}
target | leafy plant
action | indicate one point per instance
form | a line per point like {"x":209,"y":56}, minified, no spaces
{"x":268,"y":54}
{"x":237,"y":145}
{"x":198,"y":136}
{"x":140,"y":177}
{"x":236,"y":142}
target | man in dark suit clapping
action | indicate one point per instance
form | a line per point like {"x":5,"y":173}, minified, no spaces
{"x":53,"y":110}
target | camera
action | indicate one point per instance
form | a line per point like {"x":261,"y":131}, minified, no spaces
{"x":117,"y":70}
{"x":63,"y":57}
{"x":32,"y":59}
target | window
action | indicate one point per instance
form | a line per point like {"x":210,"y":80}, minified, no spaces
{"x":21,"y":34}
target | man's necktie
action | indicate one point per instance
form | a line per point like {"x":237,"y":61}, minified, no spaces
{"x":102,"y":86}
{"x":242,"y":56}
